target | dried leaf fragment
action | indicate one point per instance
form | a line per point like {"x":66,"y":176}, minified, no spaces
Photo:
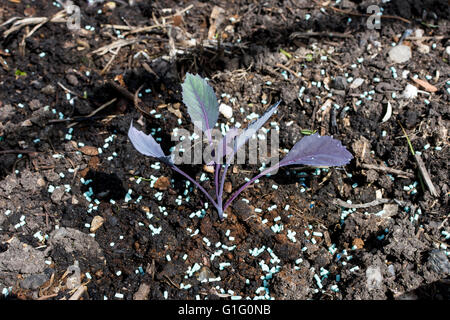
{"x":89,"y":150}
{"x":426,"y":85}
{"x":216,"y":18}
{"x":162,"y":184}
{"x":93,"y":162}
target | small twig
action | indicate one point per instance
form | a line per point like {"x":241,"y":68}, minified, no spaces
{"x":114,"y":45}
{"x":427,"y":38}
{"x":136,"y":101}
{"x":4,"y":64}
{"x":368,"y":15}
{"x":52,"y":278}
{"x":38,"y":21}
{"x":75,"y":119}
{"x":68,"y":90}
{"x":75,"y":168}
{"x":319,"y":34}
{"x":387,"y":169}
{"x":422,"y":170}
{"x":279,"y":65}
{"x":150,"y":70}
{"x":133,"y":29}
{"x":326,"y":177}
{"x":77,"y":295}
{"x":29,"y":152}
{"x":108,"y":65}
{"x":11,"y":20}
{"x":171,"y":282}
{"x":152,"y":269}
{"x":425,"y":175}
{"x":179,"y":13}
{"x":47,"y":297}
{"x":373,"y":203}
{"x":123,"y":91}
{"x":252,"y":216}
{"x":443,"y":222}
{"x":103,"y":106}
{"x":46,"y":216}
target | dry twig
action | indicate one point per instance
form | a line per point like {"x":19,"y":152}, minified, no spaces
{"x":90,"y":115}
{"x":387,"y":169}
{"x":77,"y":295}
{"x":425,"y":175}
{"x":373,"y":203}
{"x":114,"y":45}
{"x":319,"y":34}
{"x":351,"y":13}
{"x":59,"y":17}
{"x":279,"y":65}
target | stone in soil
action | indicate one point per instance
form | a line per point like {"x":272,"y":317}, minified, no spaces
{"x":400,"y":54}
{"x":75,"y":241}
{"x":438,"y":262}
{"x":34,"y":281}
{"x":22,"y":258}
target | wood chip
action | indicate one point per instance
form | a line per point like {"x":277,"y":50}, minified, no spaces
{"x":175,"y":111}
{"x":142,"y":293}
{"x":227,"y":187}
{"x":362,"y":147}
{"x":26,"y":123}
{"x":216,"y":18}
{"x":358,"y":242}
{"x":390,"y":209}
{"x":96,"y":223}
{"x":327,"y":238}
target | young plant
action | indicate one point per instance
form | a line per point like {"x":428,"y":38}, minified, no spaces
{"x":203,"y":108}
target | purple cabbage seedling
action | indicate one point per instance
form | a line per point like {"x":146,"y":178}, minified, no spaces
{"x":203,"y":108}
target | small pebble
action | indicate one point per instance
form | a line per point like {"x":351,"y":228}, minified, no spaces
{"x":400,"y":54}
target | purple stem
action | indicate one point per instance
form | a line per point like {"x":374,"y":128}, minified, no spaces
{"x":248,"y":183}
{"x":222,"y":182}
{"x":216,"y":180}
{"x":196,"y":184}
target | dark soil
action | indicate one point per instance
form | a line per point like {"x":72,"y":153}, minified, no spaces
{"x":156,"y":247}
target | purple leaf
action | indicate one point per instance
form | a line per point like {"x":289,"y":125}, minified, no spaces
{"x":146,"y":144}
{"x":254,"y":126}
{"x":317,"y":151}
{"x":201,"y":102}
{"x":225,"y":146}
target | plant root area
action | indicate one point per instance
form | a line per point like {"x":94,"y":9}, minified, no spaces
{"x":84,"y":216}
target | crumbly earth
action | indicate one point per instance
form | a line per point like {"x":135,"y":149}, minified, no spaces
{"x":83,"y":215}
